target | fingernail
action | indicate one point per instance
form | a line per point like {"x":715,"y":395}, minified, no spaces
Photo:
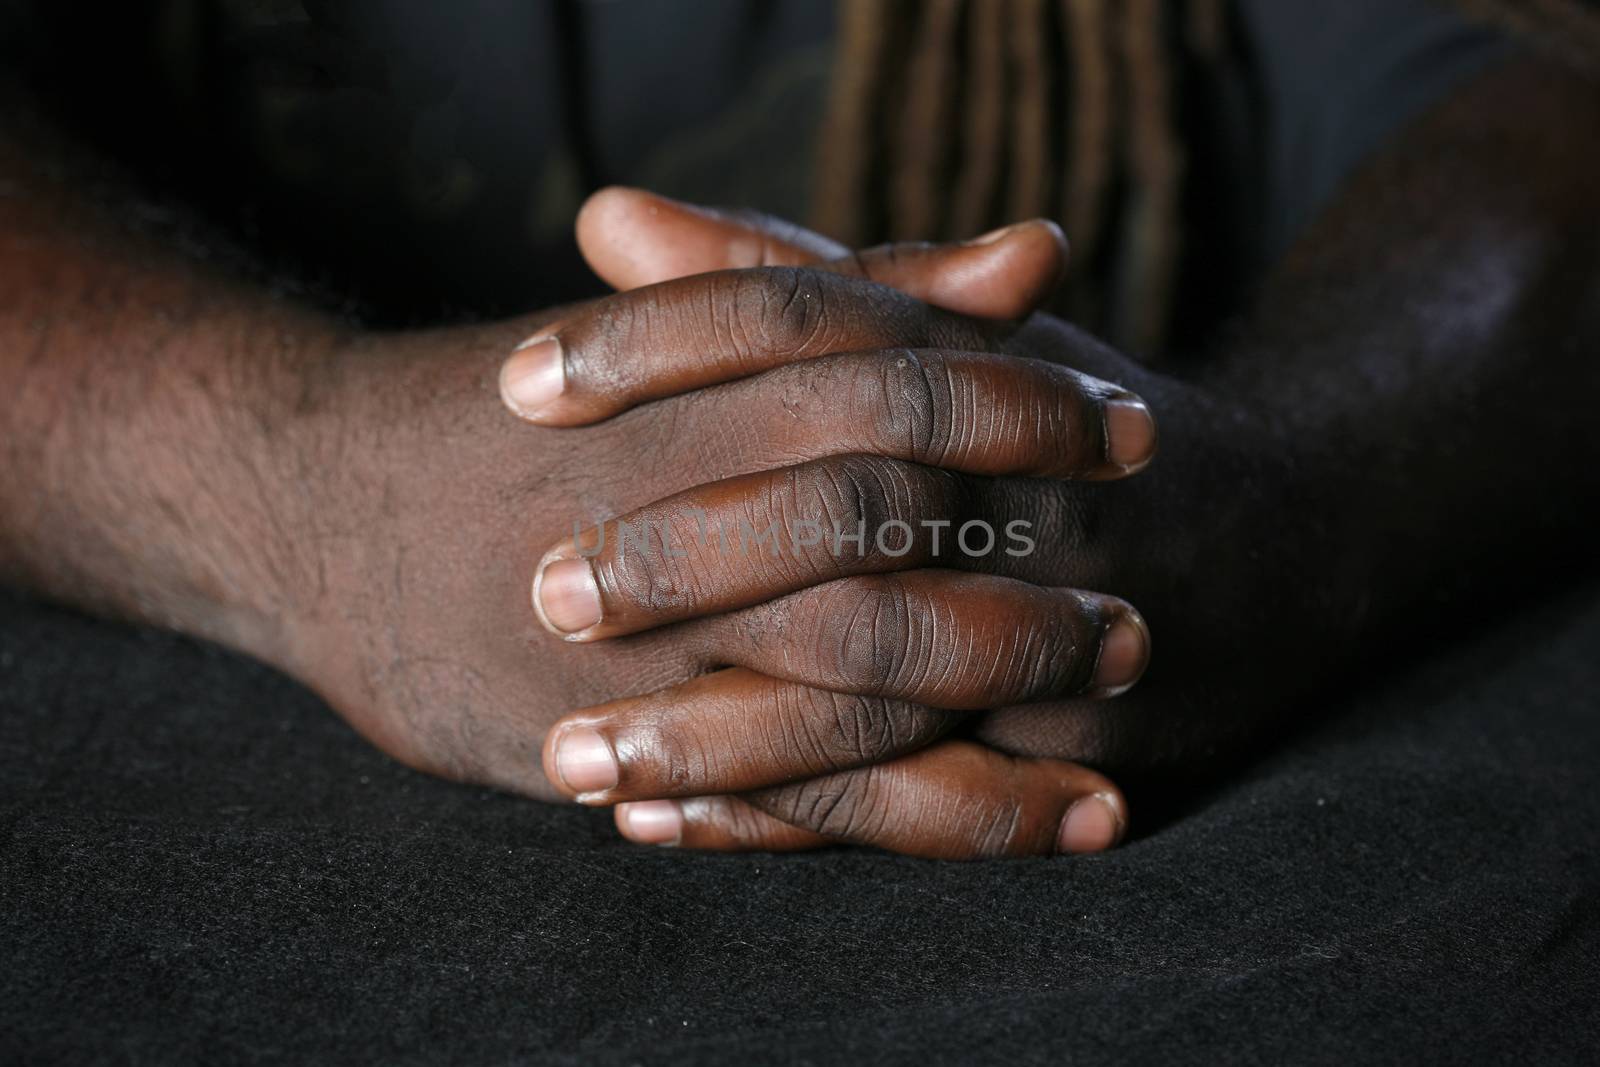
{"x":1123,"y":651}
{"x":1130,"y":433}
{"x":651,"y":822}
{"x":1093,"y":824}
{"x":567,"y":597}
{"x":584,"y":761}
{"x":533,"y":376}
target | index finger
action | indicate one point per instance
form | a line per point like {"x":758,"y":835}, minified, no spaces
{"x":692,"y":332}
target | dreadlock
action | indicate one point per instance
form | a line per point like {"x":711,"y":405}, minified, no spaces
{"x":948,"y":117}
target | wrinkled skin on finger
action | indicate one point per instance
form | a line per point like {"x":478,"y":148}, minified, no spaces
{"x":1284,"y":524}
{"x":896,"y":439}
{"x":632,"y":238}
{"x":1208,"y":693}
{"x":428,"y":509}
{"x":954,"y":801}
{"x":435,"y":508}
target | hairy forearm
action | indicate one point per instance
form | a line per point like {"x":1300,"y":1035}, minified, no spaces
{"x":147,"y":404}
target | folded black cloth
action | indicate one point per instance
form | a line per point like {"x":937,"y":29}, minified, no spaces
{"x":200,"y":864}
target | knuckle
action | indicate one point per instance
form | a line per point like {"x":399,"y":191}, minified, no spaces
{"x":781,"y":310}
{"x":857,"y":493}
{"x":878,"y":645}
{"x":637,"y":569}
{"x":1050,"y":656}
{"x":917,"y":410}
{"x":844,"y":805}
{"x":861,"y":727}
{"x":792,"y":737}
{"x":883,"y":502}
{"x":881,"y":635}
{"x":847,"y":730}
{"x":677,"y":759}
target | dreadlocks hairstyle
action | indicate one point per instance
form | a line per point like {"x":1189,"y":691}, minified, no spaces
{"x":948,"y":117}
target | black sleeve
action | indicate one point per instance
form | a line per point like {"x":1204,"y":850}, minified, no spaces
{"x":1337,"y":78}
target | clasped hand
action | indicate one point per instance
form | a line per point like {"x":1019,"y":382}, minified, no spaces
{"x":876,"y":559}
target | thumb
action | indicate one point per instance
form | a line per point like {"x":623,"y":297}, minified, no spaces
{"x":632,"y":238}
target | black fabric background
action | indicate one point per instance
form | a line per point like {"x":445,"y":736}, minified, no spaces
{"x":200,"y":864}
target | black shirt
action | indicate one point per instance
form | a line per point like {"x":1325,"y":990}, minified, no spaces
{"x":429,"y":158}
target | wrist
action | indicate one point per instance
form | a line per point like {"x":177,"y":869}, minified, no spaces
{"x":158,"y":474}
{"x":264,"y":513}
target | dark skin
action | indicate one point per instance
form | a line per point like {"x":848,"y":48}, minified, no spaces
{"x":359,"y":510}
{"x":1360,"y":404}
{"x":1321,"y":482}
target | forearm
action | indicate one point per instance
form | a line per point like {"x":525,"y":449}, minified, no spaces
{"x":150,"y":427}
{"x":1427,"y":355}
{"x":1394,"y":440}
